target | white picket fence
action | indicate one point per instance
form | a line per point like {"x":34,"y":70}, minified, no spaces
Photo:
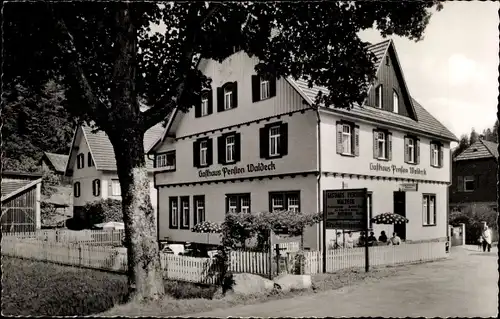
{"x":338,"y":259}
{"x":203,"y":270}
{"x":88,"y":237}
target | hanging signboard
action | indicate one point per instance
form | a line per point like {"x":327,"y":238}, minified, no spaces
{"x":408,"y":187}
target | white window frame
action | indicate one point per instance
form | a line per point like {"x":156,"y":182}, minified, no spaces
{"x":232,"y":208}
{"x":265,"y":89}
{"x":346,"y":139}
{"x":380,"y":98}
{"x":245,"y":207}
{"x":115,"y":188}
{"x":161,"y":160}
{"x":293,"y":203}
{"x":435,"y":154}
{"x":276,"y":207}
{"x":185,"y":213}
{"x":395,"y":101}
{"x":411,"y":150}
{"x":428,"y":209}
{"x":382,"y":145}
{"x":230,"y":148}
{"x":203,"y":152}
{"x":204,"y":105}
{"x":469,"y":179}
{"x":274,"y":140}
{"x":228,"y":98}
{"x":174,"y":213}
{"x":200,"y":210}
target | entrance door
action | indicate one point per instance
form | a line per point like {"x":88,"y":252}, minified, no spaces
{"x":400,"y":208}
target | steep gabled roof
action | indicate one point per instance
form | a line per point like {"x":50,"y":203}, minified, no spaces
{"x":425,"y":122}
{"x":479,"y":150}
{"x":58,"y":161}
{"x":102,"y":151}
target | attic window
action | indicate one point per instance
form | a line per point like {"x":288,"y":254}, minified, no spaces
{"x":387,"y":60}
{"x":474,"y":150}
{"x":378,"y":96}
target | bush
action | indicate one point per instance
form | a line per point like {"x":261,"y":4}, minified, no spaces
{"x":74,"y":224}
{"x":102,"y":211}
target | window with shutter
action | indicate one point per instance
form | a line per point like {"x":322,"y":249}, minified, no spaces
{"x":379,"y":96}
{"x":274,"y":140}
{"x":204,"y":104}
{"x":356,"y":140}
{"x":230,"y":141}
{"x":469,"y":184}
{"x":428,"y":209}
{"x":90,"y":161}
{"x":76,"y":189}
{"x":196,"y":154}
{"x":265,"y":89}
{"x":185,"y":212}
{"x":435,"y":149}
{"x":441,"y":154}
{"x":238,"y":203}
{"x":406,"y":150}
{"x":375,"y":144}
{"x":346,"y":139}
{"x":221,"y":149}
{"x":96,"y":187}
{"x":203,"y":152}
{"x":173,"y":213}
{"x":339,"y":138}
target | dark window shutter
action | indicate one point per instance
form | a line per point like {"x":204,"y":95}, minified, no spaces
{"x":197,"y":107}
{"x":195,"y":210}
{"x":476,"y":181}
{"x":227,"y":204}
{"x":237,"y":147}
{"x":235,"y":94}
{"x":339,"y":138}
{"x":210,"y":101}
{"x":221,"y":149}
{"x":356,"y":140}
{"x":264,"y":142}
{"x":460,"y":182}
{"x":407,"y":152}
{"x":94,"y":188}
{"x":284,"y":139}
{"x":441,"y":153}
{"x":389,"y":146}
{"x":89,"y":159}
{"x":272,"y":86}
{"x":210,"y":151}
{"x":255,"y":88}
{"x":196,"y":154}
{"x":375,"y":144}
{"x":220,"y":99}
{"x":417,"y":152}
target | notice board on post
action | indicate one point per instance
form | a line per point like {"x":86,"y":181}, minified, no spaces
{"x":345,"y":209}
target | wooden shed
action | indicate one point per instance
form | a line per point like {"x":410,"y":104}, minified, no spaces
{"x":20,"y":202}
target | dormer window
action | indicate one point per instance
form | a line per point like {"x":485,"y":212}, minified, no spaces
{"x":227,"y":97}
{"x":395,"y":102}
{"x":264,"y":89}
{"x":379,"y":96}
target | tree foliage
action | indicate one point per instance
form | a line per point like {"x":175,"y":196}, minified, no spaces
{"x":473,"y":219}
{"x":33,"y":123}
{"x":107,"y":57}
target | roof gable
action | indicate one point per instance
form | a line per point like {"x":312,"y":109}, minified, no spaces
{"x":479,"y":150}
{"x":390,"y":76}
{"x":102,"y":150}
{"x":57,"y":161}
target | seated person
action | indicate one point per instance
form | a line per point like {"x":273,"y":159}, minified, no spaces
{"x":383,"y":237}
{"x":362,"y":238}
{"x":395,"y":240}
{"x":372,"y":240}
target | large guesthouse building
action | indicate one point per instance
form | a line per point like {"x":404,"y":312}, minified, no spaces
{"x":257,"y":144}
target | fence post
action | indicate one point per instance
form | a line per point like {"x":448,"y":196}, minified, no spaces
{"x":79,"y":254}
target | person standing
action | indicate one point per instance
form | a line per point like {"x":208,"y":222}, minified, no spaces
{"x":486,"y":235}
{"x":349,"y":241}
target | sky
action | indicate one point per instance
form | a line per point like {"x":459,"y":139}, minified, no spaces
{"x":453,"y":71}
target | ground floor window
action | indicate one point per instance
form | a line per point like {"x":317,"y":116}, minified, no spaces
{"x":429,"y":209}
{"x":238,"y":203}
{"x":284,"y":201}
{"x":185,"y":212}
{"x":173,"y":212}
{"x":199,"y":209}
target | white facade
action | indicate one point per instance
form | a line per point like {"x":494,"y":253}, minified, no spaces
{"x":311,"y":163}
{"x":84,"y":177}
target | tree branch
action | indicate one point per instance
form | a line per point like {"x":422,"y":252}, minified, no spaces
{"x":163,"y":107}
{"x":76,"y":73}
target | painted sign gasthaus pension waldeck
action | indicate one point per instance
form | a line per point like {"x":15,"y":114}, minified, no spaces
{"x":257,"y":144}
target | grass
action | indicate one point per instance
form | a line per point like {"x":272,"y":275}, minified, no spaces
{"x":46,"y":289}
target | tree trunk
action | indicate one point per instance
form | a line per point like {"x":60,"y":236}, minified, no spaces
{"x":144,"y":268}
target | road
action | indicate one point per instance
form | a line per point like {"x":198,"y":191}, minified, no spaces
{"x":466,"y":285}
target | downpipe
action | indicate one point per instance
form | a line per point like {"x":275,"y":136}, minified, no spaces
{"x":320,"y":172}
